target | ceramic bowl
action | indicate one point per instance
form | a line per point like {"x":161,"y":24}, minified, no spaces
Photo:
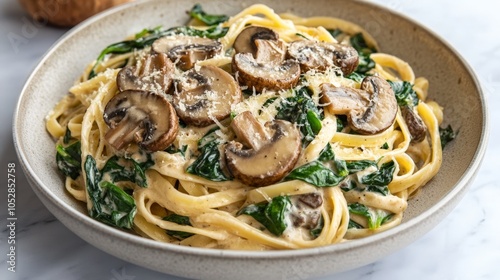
{"x":452,"y":84}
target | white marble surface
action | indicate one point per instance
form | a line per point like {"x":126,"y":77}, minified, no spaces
{"x":466,"y":245}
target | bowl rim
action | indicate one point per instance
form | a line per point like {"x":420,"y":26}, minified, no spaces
{"x":40,"y":188}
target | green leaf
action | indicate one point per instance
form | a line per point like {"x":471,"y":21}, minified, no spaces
{"x":341,"y":123}
{"x":327,"y":153}
{"x":208,"y":163}
{"x":181,"y":220}
{"x":375,"y":217}
{"x":405,"y":95}
{"x":335,"y":32}
{"x":110,"y":204}
{"x":381,"y":177}
{"x":147,"y":40}
{"x":359,"y":43}
{"x":315,"y":173}
{"x":67,"y":136}
{"x":359,"y":165}
{"x":348,"y":187}
{"x":127,"y":169}
{"x":314,"y":121}
{"x":353,"y":224}
{"x":446,"y":134}
{"x":69,"y":160}
{"x":208,"y":19}
{"x":119,"y":207}
{"x":173,"y":150}
{"x":365,"y":64}
{"x":301,"y":110}
{"x":271,"y":215}
{"x":383,"y":190}
{"x":385,"y":146}
{"x":358,"y":77}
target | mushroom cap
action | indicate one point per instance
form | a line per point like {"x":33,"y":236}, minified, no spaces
{"x":273,"y":159}
{"x":370,"y":110}
{"x":416,"y":126}
{"x":323,"y":55}
{"x":202,"y":96}
{"x":265,"y":74}
{"x":245,"y":41}
{"x":184,"y":51}
{"x":141,"y":117}
{"x":153,"y":73}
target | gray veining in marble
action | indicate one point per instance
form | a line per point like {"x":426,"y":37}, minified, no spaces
{"x":464,"y":246}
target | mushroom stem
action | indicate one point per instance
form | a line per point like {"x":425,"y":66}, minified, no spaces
{"x":370,"y":109}
{"x":277,"y":148}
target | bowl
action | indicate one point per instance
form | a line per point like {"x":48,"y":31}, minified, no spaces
{"x":452,"y":84}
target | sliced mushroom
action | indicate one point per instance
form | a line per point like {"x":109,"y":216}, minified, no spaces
{"x":312,"y":200}
{"x":184,"y":51}
{"x":262,"y":154}
{"x":306,"y":212}
{"x":140,"y":117}
{"x":322,"y":55}
{"x":270,"y":75}
{"x":415,"y":124}
{"x":203,"y":96}
{"x":152,"y":73}
{"x":245,"y":42}
{"x":370,"y":109}
{"x":259,"y":62}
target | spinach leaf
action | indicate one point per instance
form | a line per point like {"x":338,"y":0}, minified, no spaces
{"x":341,"y":167}
{"x":383,"y":190}
{"x":314,"y":121}
{"x":214,"y":32}
{"x":375,"y":217}
{"x":110,"y":204}
{"x":302,"y":110}
{"x":358,"y":77}
{"x":359,"y":43}
{"x":271,"y":215}
{"x":152,"y":35}
{"x":405,"y":95}
{"x":385,"y":146}
{"x":67,"y":136}
{"x":69,"y":159}
{"x":128,"y":170}
{"x":349,"y":185}
{"x":365,"y":62}
{"x":173,"y":150}
{"x":381,"y":177}
{"x":326,"y":154}
{"x":315,"y":173}
{"x":353,"y":224}
{"x":335,"y":32}
{"x":147,"y":32}
{"x":359,"y":165}
{"x":208,"y":19}
{"x":181,"y":220}
{"x":446,"y":134}
{"x":341,"y":123}
{"x":208,"y":163}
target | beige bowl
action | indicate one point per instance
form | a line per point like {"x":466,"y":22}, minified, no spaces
{"x":452,"y":84}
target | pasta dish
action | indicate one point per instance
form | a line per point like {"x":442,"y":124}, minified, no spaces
{"x":256,"y":131}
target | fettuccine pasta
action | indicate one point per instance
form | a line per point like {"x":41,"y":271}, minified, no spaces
{"x":257,"y":131}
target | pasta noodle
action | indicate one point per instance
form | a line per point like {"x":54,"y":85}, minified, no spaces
{"x":159,"y":194}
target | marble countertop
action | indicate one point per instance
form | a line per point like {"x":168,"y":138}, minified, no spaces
{"x":463,"y":246}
